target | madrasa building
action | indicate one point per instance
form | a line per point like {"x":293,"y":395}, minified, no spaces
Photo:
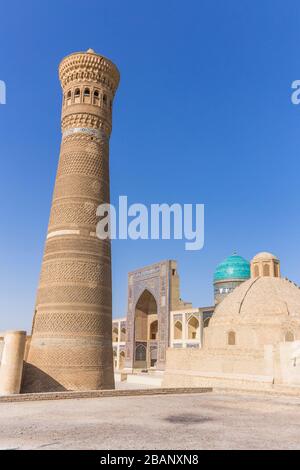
{"x":249,"y":338}
{"x":158,"y":318}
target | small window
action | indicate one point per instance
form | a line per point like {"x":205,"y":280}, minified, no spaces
{"x":154,"y":330}
{"x":104,"y":100}
{"x":193,"y":328}
{"x":115,"y":335}
{"x":86,"y":92}
{"x":123,"y":334}
{"x":266,"y":270}
{"x":289,"y":337}
{"x":178,"y":330}
{"x":121,"y":360}
{"x":231,"y":338}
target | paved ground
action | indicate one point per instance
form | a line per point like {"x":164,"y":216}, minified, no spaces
{"x":208,"y":421}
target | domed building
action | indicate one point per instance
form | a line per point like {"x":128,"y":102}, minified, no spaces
{"x":263,"y":310}
{"x":253,"y":338}
{"x":228,"y":275}
{"x":265,"y":264}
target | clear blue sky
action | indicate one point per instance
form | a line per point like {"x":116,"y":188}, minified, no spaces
{"x":203,"y":114}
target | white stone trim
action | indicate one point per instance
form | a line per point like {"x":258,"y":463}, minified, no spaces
{"x":58,"y":233}
{"x":99,"y":133}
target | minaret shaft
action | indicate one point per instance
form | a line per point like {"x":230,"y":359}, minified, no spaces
{"x":71,"y":344}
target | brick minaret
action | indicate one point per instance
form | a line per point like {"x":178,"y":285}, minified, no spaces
{"x":71,"y":345}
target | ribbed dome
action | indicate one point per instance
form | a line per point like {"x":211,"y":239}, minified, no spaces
{"x":264,"y":256}
{"x":233,"y":267}
{"x":261,"y":297}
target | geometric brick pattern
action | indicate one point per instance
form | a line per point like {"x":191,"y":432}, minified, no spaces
{"x":80,"y":356}
{"x":72,"y":185}
{"x":83,"y":213}
{"x":73,"y":270}
{"x":83,"y":163}
{"x":68,"y":245}
{"x":75,"y":294}
{"x":71,"y":323}
{"x":71,"y":344}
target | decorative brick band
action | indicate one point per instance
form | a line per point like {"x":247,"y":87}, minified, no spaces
{"x":98,"y":133}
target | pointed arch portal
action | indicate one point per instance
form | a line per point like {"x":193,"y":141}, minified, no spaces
{"x":146,"y":331}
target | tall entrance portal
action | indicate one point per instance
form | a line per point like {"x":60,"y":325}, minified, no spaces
{"x":145,"y":332}
{"x":153,"y":292}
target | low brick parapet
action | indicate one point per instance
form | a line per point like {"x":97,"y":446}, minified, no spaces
{"x":101,"y":394}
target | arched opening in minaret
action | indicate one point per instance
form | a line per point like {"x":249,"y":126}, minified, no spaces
{"x":69,"y":98}
{"x":96,"y":99}
{"x":77,"y":96}
{"x":87,"y":95}
{"x":146,"y":331}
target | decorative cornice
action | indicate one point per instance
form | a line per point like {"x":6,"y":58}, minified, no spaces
{"x":89,"y":66}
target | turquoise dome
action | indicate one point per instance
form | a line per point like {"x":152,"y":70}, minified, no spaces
{"x":233,"y":267}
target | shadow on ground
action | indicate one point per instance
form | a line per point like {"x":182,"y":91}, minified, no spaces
{"x":187,"y":419}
